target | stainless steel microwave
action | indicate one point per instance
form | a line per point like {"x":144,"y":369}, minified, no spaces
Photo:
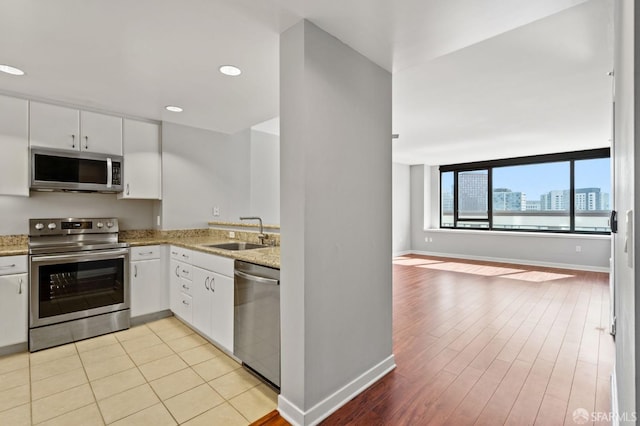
{"x":57,"y":170}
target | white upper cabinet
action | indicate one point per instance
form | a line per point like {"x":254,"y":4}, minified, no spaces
{"x":53,"y":126}
{"x":100,"y":133}
{"x":58,"y":127}
{"x":142,"y":161}
{"x":14,"y":140}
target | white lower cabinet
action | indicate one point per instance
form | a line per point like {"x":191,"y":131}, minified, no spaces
{"x":201,"y":288}
{"x":222,"y":311}
{"x":213,"y":306}
{"x":180,"y":283}
{"x":13,"y":308}
{"x":148,"y":288}
{"x":202,"y":300}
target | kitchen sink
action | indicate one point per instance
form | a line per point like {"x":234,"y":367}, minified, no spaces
{"x":240,"y":245}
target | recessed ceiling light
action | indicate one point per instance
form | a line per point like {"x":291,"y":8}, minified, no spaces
{"x":173,"y":108}
{"x":11,"y":70}
{"x":230,"y":70}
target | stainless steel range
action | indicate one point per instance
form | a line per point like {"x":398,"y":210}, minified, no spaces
{"x":79,"y":280}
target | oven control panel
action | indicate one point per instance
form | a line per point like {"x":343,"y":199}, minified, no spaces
{"x":67,"y":226}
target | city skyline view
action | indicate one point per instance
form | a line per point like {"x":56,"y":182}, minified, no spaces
{"x":569,"y":193}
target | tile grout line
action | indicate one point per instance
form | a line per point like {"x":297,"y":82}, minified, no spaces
{"x":173,"y":352}
{"x":95,"y":399}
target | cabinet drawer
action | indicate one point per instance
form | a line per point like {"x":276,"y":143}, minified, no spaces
{"x":185,"y":286}
{"x":145,"y":253}
{"x":185,"y":308}
{"x":181,"y":254}
{"x":13,"y":265}
{"x":182,"y":270}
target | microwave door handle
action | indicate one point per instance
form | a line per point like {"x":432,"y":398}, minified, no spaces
{"x":109,"y":172}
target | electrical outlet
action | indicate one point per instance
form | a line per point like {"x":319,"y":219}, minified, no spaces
{"x":216,"y":211}
{"x":426,"y":239}
{"x":578,"y":249}
{"x":232,"y":234}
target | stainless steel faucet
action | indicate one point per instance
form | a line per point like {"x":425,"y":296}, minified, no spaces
{"x":261,"y":236}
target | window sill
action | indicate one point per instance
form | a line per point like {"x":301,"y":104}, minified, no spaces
{"x":520,"y":234}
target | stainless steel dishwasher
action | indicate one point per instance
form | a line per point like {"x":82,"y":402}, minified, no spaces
{"x":256,"y":331}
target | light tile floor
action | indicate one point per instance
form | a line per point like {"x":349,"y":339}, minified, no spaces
{"x":160,"y":373}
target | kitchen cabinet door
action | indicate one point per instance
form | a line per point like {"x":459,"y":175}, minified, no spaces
{"x":142,"y":161}
{"x":100,"y":133}
{"x":222,"y":310}
{"x":202,"y":301}
{"x":146,"y":287}
{"x":13,"y":308}
{"x":14,"y":140}
{"x":54,"y":126}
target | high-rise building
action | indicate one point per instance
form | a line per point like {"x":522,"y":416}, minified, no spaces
{"x":587,"y":199}
{"x":555,"y":200}
{"x":505,"y":199}
{"x":472,"y":192}
{"x":591,"y":199}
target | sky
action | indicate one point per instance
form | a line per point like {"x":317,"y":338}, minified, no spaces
{"x":537,"y":179}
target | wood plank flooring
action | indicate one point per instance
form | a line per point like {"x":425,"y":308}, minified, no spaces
{"x":480,"y":343}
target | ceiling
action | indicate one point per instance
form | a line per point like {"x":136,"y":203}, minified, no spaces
{"x":472,"y":79}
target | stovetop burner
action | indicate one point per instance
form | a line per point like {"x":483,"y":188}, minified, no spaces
{"x":73,"y":234}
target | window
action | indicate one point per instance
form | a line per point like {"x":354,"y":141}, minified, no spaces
{"x":592,"y":195}
{"x":566,"y":192}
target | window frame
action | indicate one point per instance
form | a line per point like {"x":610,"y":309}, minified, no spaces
{"x":489,"y":165}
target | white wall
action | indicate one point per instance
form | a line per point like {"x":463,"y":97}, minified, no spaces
{"x":401,"y":208}
{"x":16,"y":211}
{"x":626,"y":180}
{"x":202,"y":169}
{"x":336,"y":223}
{"x":516,"y":247}
{"x":265,"y":177}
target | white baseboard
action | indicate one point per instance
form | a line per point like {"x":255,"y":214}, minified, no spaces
{"x":401,"y":253}
{"x":327,"y":406}
{"x":517,"y":261}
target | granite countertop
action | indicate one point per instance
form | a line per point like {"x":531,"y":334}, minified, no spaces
{"x":268,"y":256}
{"x":14,"y":250}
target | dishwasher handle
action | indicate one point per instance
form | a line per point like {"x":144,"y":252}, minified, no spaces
{"x":256,"y":278}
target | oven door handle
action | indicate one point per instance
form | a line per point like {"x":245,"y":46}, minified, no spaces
{"x":82,"y":256}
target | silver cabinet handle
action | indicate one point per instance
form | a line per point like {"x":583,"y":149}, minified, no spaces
{"x":213,"y":282}
{"x":185,"y":256}
{"x":146,"y":253}
{"x":206,"y":283}
{"x":20,"y":286}
{"x":86,"y":142}
{"x":184,"y":302}
{"x":73,"y":141}
{"x":13,"y":265}
{"x":177,"y":269}
{"x":128,"y":189}
{"x":175,"y":253}
{"x":184,"y":271}
{"x":186,"y":287}
{"x":135,"y":271}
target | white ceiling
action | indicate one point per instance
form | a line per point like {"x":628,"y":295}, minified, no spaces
{"x":502,"y":76}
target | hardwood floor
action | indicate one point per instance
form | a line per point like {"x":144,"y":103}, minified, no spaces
{"x":481,"y":343}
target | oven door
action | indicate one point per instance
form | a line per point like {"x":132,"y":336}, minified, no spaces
{"x":77,"y":285}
